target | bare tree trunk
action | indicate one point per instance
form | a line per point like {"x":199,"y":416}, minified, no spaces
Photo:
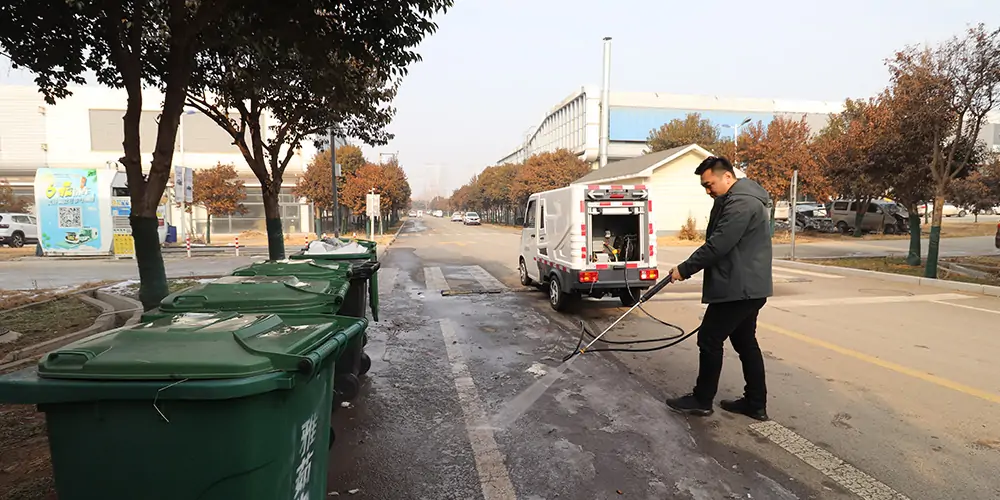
{"x":861,"y":208}
{"x":933,"y":246}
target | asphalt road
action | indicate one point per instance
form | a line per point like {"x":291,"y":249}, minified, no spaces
{"x":467,"y":397}
{"x":877,"y":390}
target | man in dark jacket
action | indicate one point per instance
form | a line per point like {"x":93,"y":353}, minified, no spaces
{"x":736,"y":258}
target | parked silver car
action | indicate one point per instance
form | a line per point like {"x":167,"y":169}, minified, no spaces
{"x":880,"y":217}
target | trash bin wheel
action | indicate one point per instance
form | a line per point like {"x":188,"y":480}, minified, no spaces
{"x":347,"y":386}
{"x":333,"y":437}
{"x":366,"y":363}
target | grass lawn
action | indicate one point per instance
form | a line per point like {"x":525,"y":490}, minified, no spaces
{"x":47,"y":320}
{"x":898,"y":265}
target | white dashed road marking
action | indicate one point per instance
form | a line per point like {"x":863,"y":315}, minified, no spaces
{"x":387,"y":280}
{"x":434,"y":279}
{"x":485,"y":279}
{"x":845,"y":474}
{"x":971,"y":308}
{"x":807,"y":273}
{"x":493,"y":475}
{"x":888,"y":299}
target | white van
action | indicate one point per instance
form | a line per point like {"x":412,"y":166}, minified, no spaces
{"x":589,"y":240}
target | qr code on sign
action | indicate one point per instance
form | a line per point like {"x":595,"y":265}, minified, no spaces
{"x":70,"y":217}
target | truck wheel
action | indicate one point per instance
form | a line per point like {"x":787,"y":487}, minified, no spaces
{"x":630,"y":296}
{"x":523,"y":271}
{"x":17,"y":241}
{"x":889,"y":229}
{"x":558,"y":299}
{"x":842,"y":227}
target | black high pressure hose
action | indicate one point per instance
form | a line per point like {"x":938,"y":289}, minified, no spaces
{"x":672,"y":340}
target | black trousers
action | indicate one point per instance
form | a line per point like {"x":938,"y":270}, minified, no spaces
{"x":736,"y":321}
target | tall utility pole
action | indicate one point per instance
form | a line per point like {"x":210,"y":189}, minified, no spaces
{"x":605,"y":104}
{"x":336,"y":174}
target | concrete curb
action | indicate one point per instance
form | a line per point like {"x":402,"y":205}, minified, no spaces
{"x":105,"y":321}
{"x":128,"y":310}
{"x":993,"y":291}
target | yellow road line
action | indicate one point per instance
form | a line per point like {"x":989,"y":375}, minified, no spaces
{"x":917,"y":374}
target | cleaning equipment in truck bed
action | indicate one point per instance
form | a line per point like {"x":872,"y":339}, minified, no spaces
{"x":672,"y":340}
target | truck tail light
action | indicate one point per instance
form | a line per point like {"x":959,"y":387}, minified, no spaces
{"x":588,"y":276}
{"x":649,"y":274}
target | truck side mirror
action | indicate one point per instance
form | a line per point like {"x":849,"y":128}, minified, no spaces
{"x":519,"y":221}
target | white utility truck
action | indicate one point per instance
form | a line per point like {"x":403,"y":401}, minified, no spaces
{"x":589,"y":240}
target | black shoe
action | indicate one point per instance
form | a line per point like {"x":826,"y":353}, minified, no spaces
{"x":690,"y":405}
{"x":743,"y":408}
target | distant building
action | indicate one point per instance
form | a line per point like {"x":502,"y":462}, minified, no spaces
{"x":85,"y":130}
{"x":574,"y":123}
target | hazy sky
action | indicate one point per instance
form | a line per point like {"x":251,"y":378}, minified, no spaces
{"x":494,"y":68}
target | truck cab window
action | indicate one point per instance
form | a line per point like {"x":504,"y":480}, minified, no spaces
{"x":529,"y":217}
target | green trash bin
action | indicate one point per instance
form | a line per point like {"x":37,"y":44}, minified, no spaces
{"x":302,"y":269}
{"x":354,"y":362}
{"x":217,"y":406}
{"x":258,"y":294}
{"x":364,"y":274}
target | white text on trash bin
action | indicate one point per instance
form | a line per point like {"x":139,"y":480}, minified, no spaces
{"x":304,"y":469}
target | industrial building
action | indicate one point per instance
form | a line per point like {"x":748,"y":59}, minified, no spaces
{"x":575,"y":123}
{"x":85,"y":131}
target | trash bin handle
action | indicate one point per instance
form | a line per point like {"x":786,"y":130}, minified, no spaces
{"x":282,"y":361}
{"x":189,"y":298}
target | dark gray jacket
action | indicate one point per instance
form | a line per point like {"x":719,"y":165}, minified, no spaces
{"x":736,"y":256}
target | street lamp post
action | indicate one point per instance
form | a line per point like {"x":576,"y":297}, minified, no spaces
{"x":180,"y":140}
{"x":736,"y":136}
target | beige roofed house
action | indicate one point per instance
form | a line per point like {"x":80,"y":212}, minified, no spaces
{"x":675,"y":191}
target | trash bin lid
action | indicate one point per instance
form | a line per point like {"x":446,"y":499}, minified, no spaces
{"x":307,"y":268}
{"x":366,"y":249}
{"x":203,"y":346}
{"x":258,"y":294}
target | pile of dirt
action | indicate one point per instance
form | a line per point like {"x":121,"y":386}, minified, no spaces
{"x":25,"y":465}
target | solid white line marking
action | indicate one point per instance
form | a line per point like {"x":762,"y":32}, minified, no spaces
{"x":807,"y":273}
{"x":493,"y":475}
{"x":868,"y":300}
{"x":434,"y":279}
{"x":485,"y":279}
{"x":388,"y":281}
{"x":845,"y":474}
{"x":963,"y":306}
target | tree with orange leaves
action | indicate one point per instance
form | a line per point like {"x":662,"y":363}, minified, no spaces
{"x":220,"y":191}
{"x":771,"y":154}
{"x":545,"y":171}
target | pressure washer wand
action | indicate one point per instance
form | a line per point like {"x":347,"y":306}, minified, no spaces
{"x":646,"y":296}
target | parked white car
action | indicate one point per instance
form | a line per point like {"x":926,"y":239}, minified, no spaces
{"x":16,"y":230}
{"x":947,"y":210}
